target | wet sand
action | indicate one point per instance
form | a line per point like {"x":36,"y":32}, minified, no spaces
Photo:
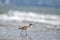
{"x":9,"y":31}
{"x":5,"y":39}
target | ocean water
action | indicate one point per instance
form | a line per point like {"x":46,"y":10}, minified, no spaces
{"x":44,"y":15}
{"x":46,"y":21}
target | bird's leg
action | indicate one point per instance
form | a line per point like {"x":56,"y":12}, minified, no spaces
{"x":27,"y":35}
{"x":21,"y":32}
{"x":26,"y":32}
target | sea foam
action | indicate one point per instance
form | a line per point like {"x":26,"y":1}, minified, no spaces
{"x":30,"y":16}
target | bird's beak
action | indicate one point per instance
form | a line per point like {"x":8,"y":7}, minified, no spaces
{"x":34,"y":25}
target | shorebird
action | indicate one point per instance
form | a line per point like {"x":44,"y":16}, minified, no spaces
{"x":25,"y":28}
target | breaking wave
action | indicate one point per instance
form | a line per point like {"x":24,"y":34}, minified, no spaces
{"x":30,"y":16}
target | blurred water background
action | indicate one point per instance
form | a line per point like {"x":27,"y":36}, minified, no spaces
{"x":45,"y":14}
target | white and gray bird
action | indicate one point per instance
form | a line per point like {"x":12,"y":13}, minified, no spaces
{"x":24,"y":28}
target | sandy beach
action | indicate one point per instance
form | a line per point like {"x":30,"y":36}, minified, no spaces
{"x":9,"y":31}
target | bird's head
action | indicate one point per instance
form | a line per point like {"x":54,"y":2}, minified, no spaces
{"x":30,"y":24}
